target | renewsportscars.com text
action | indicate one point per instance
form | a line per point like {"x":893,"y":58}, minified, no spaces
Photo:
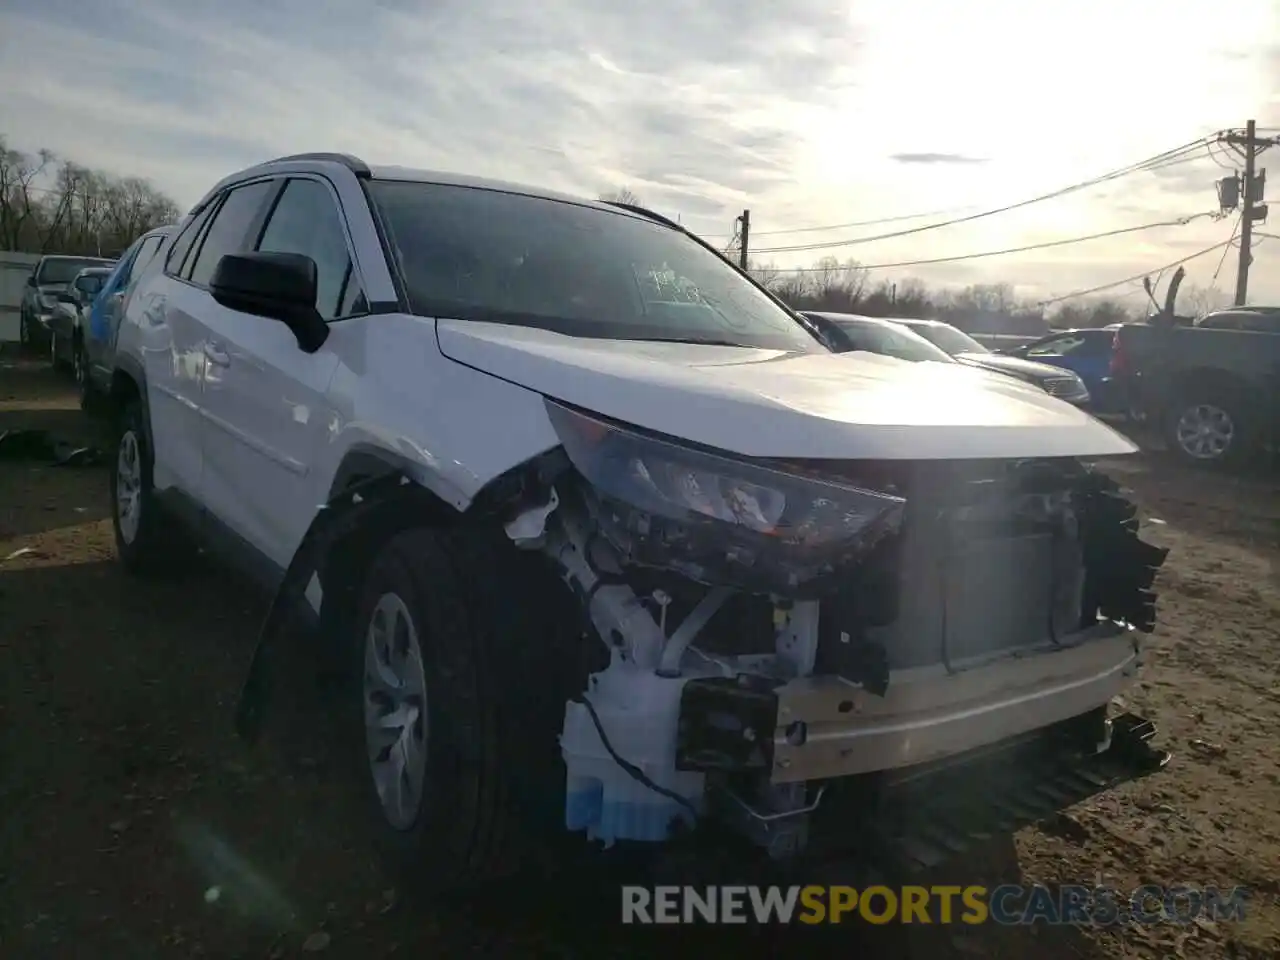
{"x":1011,"y":904}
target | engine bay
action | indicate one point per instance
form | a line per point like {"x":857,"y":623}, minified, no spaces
{"x":759,"y":652}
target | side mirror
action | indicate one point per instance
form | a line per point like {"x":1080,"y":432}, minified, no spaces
{"x":278,"y":286}
{"x":66,"y":296}
{"x":31,"y":280}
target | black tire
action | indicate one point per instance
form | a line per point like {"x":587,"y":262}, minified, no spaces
{"x":1226,"y":409}
{"x":90,"y":401}
{"x":58,"y":364}
{"x":149,"y":545}
{"x":498,"y":655}
{"x":24,"y":334}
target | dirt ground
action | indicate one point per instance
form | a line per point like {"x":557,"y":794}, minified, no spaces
{"x":134,"y":824}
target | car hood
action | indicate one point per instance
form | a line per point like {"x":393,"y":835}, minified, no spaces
{"x":1014,"y":365}
{"x":771,"y":403}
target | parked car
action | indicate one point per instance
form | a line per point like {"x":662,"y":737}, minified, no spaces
{"x":1063,"y":384}
{"x":1211,"y":389}
{"x":69,"y":318}
{"x":609,"y":561}
{"x":1086,"y":353}
{"x":51,"y":275}
{"x":1256,"y":319}
{"x":845,"y":332}
{"x":95,"y":353}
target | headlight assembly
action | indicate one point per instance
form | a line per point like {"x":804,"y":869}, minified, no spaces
{"x":715,"y":518}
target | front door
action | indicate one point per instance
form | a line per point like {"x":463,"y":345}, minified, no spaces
{"x":265,"y":411}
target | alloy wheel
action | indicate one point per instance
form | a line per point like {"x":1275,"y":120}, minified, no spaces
{"x":1205,"y":432}
{"x":394,"y":693}
{"x":129,"y":486}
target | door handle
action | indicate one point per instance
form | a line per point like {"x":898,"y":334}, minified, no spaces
{"x":216,"y":356}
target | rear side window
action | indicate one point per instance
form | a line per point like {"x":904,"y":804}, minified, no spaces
{"x":182,"y":244}
{"x":137,"y":262}
{"x":230,"y":231}
{"x":146,"y":253}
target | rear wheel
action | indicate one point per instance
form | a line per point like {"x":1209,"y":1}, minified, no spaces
{"x":146,"y":544}
{"x":1207,"y":429}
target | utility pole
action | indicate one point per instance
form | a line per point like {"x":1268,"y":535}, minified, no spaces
{"x":744,"y":225}
{"x":1250,"y":193}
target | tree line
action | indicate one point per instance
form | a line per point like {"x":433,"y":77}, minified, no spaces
{"x":49,"y":204}
{"x":848,"y":287}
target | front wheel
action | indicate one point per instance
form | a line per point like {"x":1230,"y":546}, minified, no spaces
{"x":461,"y":686}
{"x":55,"y":361}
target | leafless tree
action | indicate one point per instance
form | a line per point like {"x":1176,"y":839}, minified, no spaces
{"x":1196,"y":301}
{"x":50,"y":205}
{"x":621,"y":195}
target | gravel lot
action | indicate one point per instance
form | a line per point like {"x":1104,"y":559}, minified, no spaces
{"x":127,"y":803}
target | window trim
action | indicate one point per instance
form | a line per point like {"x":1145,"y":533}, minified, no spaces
{"x":253,"y":228}
{"x":354,"y":263}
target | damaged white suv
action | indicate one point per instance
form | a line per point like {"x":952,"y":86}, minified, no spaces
{"x":607,"y":538}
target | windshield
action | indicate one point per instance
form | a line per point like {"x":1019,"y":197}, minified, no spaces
{"x":902,"y":344}
{"x":480,"y":254}
{"x":63,"y":271}
{"x":949,"y":338}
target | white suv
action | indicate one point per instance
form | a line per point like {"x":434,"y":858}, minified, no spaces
{"x":605,"y":534}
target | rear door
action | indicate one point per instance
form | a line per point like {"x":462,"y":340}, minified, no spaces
{"x":175,"y":318}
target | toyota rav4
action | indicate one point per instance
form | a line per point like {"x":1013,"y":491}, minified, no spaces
{"x":604,"y":535}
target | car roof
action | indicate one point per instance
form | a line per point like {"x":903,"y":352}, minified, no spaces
{"x":322,"y":162}
{"x":90,"y":271}
{"x":444,"y":178}
{"x":75,"y":256}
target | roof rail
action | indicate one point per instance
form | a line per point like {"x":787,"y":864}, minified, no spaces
{"x":354,"y":164}
{"x":646,"y":212}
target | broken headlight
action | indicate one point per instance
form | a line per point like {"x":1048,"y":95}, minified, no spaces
{"x":715,"y":518}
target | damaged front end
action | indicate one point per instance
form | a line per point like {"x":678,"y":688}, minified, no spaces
{"x":789,"y":642}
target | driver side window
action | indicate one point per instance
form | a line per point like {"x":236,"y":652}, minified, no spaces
{"x":306,"y":220}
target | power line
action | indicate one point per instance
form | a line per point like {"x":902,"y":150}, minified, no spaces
{"x":1007,"y":250}
{"x":1235,"y":231}
{"x":857,"y":223}
{"x":1145,"y":273}
{"x":1180,"y":154}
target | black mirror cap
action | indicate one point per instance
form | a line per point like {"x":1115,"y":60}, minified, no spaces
{"x":66,"y":296}
{"x":31,"y":280}
{"x":279,"y":286}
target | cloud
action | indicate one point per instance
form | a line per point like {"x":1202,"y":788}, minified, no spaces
{"x":807,"y":113}
{"x":936,"y":158}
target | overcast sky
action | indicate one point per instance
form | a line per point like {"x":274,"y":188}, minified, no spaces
{"x":808,"y":112}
